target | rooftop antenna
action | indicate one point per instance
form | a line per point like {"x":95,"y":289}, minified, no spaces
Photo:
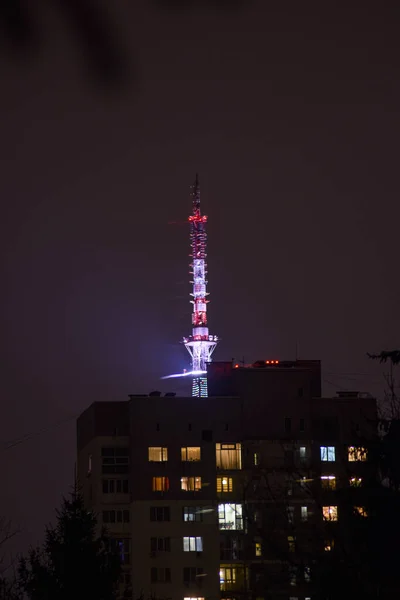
{"x":200,"y":344}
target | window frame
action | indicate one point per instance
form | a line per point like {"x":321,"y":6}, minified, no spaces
{"x":328,"y":452}
{"x":115,"y":460}
{"x":357,"y":454}
{"x":197,"y":485}
{"x":194,"y":543}
{"x":156,"y":511}
{"x":225,"y":462}
{"x":192,"y":511}
{"x":329,"y":517}
{"x":221,"y":486}
{"x":163,"y":454}
{"x":185,"y":451}
{"x":163,"y":481}
{"x":328,"y":482}
{"x":237,"y":524}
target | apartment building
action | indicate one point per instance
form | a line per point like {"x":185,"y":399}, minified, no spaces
{"x":218,"y":497}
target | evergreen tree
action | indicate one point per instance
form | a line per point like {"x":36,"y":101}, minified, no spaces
{"x":74,"y":561}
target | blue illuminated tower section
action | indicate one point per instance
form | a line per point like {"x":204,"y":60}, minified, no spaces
{"x":200,"y":344}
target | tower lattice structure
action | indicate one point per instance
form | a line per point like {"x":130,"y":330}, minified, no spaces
{"x":200,"y":344}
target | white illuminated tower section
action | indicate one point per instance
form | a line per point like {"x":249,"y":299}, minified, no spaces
{"x":200,"y":344}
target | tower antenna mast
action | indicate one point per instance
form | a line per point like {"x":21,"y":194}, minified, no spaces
{"x":200,"y":344}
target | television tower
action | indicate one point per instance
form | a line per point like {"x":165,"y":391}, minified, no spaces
{"x":200,"y":344}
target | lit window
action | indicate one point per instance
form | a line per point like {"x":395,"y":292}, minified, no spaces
{"x":230,"y":516}
{"x":307,"y":574}
{"x":355,"y":481}
{"x":328,"y":482}
{"x":192,"y":544}
{"x":256,"y":459}
{"x":124,"y":550}
{"x":190,"y":484}
{"x":190,"y":453}
{"x":357,"y":454}
{"x":231,"y":578}
{"x":303,"y":452}
{"x":158,"y":454}
{"x":304,"y":513}
{"x":198,"y":598}
{"x":229,"y":456}
{"x":328,"y":546}
{"x":330,"y":513}
{"x":160,"y":484}
{"x":292,"y":543}
{"x":224,"y":484}
{"x":327,"y":453}
{"x":360,"y":510}
{"x":258,"y":549}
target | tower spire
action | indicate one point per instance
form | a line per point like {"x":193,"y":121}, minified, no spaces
{"x":200,"y":344}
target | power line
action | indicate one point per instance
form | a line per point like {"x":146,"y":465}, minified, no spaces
{"x":29,"y":436}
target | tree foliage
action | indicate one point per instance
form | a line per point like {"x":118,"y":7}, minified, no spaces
{"x":392,"y":356}
{"x":8,"y":583}
{"x":73,"y":561}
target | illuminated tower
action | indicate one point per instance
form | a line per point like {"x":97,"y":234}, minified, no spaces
{"x":200,"y":344}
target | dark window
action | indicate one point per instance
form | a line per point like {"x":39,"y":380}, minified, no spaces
{"x":116,"y":516}
{"x":192,"y":575}
{"x":300,"y":392}
{"x":114,"y":460}
{"x":122,"y":486}
{"x":157,"y":426}
{"x":288,"y":425}
{"x":192,"y":513}
{"x":125,"y":578}
{"x":190,"y":427}
{"x":302,"y":425}
{"x":231,"y":548}
{"x":226,"y":427}
{"x":160,"y":575}
{"x":289,"y":459}
{"x":207,"y":435}
{"x":161,"y":544}
{"x":159,"y":513}
{"x":112,"y":486}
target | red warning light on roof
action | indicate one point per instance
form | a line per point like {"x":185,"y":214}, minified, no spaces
{"x":236,"y":366}
{"x":272,"y":362}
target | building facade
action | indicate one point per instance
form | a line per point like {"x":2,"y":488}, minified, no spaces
{"x":225,"y":496}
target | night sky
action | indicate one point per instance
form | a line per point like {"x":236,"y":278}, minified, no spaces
{"x":290,"y":114}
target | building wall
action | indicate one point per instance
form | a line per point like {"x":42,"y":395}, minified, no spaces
{"x":273,"y":421}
